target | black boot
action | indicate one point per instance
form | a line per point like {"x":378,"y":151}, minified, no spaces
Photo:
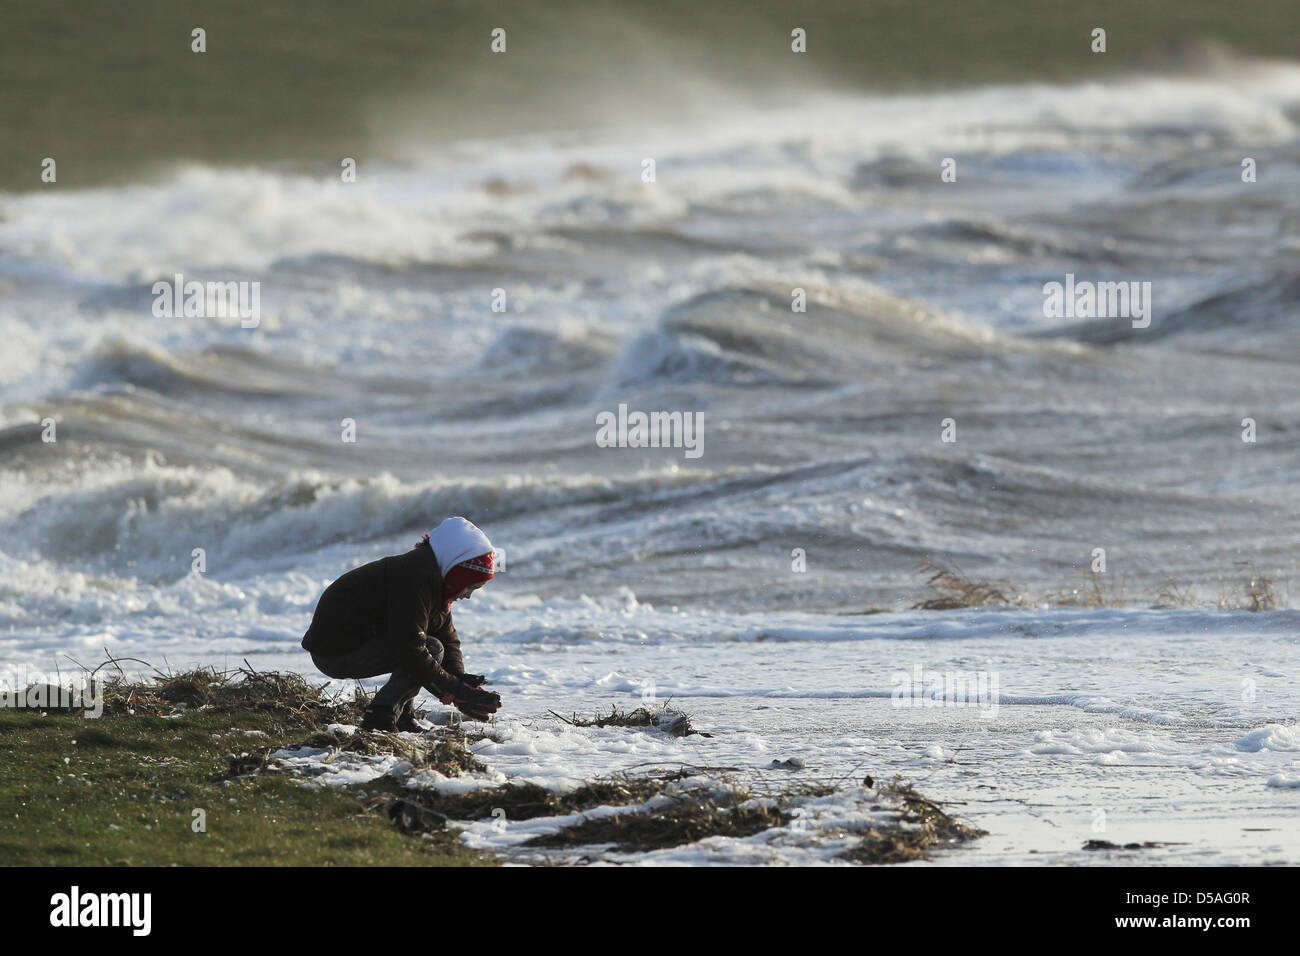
{"x":379,"y":717}
{"x":408,"y":721}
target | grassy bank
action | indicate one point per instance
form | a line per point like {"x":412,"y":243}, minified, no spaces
{"x":122,"y":789}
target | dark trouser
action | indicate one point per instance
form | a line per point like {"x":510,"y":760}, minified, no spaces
{"x":372,"y":659}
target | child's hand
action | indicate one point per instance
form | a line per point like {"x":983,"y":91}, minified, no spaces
{"x":472,"y":702}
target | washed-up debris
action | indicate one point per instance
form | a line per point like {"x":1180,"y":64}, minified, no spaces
{"x":443,"y":751}
{"x":289,"y":696}
{"x":687,"y":818}
{"x":670,"y":720}
{"x":527,"y":801}
{"x":1107,"y":845}
{"x":923,"y":825}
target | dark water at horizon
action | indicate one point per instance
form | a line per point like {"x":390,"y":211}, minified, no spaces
{"x":114,"y":91}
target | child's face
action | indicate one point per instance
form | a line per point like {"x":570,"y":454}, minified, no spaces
{"x":466,"y":592}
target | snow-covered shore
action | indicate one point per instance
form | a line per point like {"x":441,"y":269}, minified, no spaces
{"x":1175,"y":727}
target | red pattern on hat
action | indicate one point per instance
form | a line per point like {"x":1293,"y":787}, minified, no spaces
{"x":467,"y":573}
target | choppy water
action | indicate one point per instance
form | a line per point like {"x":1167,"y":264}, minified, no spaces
{"x":821,"y":429}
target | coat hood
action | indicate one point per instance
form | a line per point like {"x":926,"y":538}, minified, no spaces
{"x":457,"y":540}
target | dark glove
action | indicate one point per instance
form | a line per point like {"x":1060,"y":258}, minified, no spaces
{"x":472,"y":702}
{"x":474,"y":680}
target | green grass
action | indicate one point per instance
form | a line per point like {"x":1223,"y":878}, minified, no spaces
{"x":121,"y":790}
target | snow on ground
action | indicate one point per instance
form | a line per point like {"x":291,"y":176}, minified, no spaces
{"x":1177,"y":727}
{"x":822,"y":829}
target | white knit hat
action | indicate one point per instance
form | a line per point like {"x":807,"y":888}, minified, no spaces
{"x":457,"y":540}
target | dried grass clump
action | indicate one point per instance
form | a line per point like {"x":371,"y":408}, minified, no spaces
{"x":1107,"y":845}
{"x":444,"y":752}
{"x":1094,"y":593}
{"x":286,"y":695}
{"x":1255,"y":592}
{"x":927,"y":826}
{"x":1173,"y":594}
{"x":526,"y":801}
{"x":677,"y":817}
{"x":519,"y":802}
{"x":615,"y":791}
{"x":803,"y":790}
{"x":191,"y":688}
{"x":957,"y":590}
{"x":670,"y":720}
{"x":687,"y":819}
{"x":922,"y":824}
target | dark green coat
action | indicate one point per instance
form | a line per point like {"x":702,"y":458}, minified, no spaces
{"x":397,"y":600}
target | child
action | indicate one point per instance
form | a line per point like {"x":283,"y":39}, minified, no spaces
{"x":393,"y":616}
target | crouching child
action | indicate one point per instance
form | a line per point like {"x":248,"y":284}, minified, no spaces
{"x":393,"y":616}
